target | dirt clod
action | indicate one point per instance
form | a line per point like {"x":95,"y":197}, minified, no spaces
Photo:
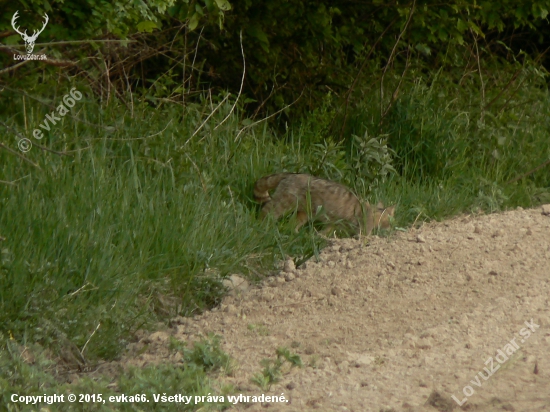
{"x":289,"y":266}
{"x":236,"y":285}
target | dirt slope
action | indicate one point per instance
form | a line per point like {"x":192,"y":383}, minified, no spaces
{"x":403,"y":323}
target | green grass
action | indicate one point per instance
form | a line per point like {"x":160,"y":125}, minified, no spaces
{"x":193,"y":376}
{"x":149,"y":213}
{"x":133,"y":228}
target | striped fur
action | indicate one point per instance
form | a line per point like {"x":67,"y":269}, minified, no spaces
{"x":320,"y":199}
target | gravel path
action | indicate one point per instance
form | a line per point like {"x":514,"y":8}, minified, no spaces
{"x":458,"y":308}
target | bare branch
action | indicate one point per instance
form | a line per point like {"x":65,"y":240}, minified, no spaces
{"x":391,"y":58}
{"x":241,"y":89}
{"x":3,"y":146}
{"x":529,"y":172}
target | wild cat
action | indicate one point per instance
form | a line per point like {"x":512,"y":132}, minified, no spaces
{"x":319,"y":199}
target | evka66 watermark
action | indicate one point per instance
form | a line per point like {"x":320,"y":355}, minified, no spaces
{"x":69,"y":100}
{"x":30,"y":41}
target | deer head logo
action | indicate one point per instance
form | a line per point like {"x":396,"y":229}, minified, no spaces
{"x":29,"y":40}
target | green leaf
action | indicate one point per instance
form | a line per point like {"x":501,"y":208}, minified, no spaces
{"x":422,"y":48}
{"x":11,"y":40}
{"x":461,"y":25}
{"x":223,"y":5}
{"x":194,"y":21}
{"x":146,"y":26}
{"x":209,"y":4}
{"x":259,"y":34}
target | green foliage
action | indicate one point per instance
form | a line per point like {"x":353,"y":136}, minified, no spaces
{"x":371,"y":160}
{"x":294,"y":51}
{"x":21,"y":375}
{"x":329,"y":159}
{"x":18,"y":375}
{"x":292,"y":358}
{"x":465,"y":136}
{"x":427,"y":148}
{"x":88,"y":19}
{"x":274,"y":368}
{"x":208,"y":355}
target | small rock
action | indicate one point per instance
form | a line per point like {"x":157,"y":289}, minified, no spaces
{"x":267,"y":297}
{"x":331,"y":264}
{"x":336,"y":291}
{"x":349,"y":265}
{"x":516,"y":248}
{"x":230,"y":309}
{"x":364,"y":360}
{"x":289,"y":266}
{"x":236,"y":284}
{"x":477,"y":229}
{"x":546,"y":210}
{"x":157,"y":337}
{"x":410,"y":340}
{"x":343,"y":366}
{"x":270,"y":281}
{"x":178,"y":320}
{"x":289,"y":277}
{"x":280,"y":280}
{"x":420,"y":238}
{"x":439,"y":402}
{"x":424,"y":344}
